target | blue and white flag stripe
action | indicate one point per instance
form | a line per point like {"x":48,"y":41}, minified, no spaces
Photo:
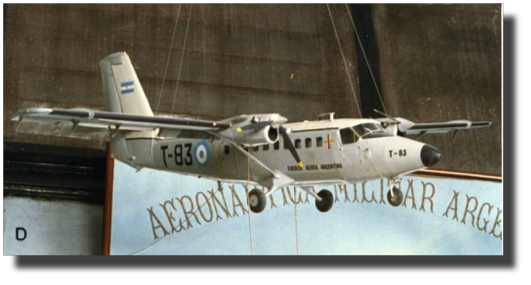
{"x":127,"y":87}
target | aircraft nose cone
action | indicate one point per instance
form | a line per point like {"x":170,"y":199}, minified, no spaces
{"x":429,"y":155}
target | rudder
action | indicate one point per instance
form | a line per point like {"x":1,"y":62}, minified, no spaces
{"x":123,"y":92}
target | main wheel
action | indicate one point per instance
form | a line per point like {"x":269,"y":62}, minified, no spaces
{"x":257,"y":200}
{"x":396,"y":198}
{"x":327,"y":200}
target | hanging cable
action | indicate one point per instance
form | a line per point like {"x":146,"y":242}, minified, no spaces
{"x":182,"y":56}
{"x":249,"y":204}
{"x":168,"y":60}
{"x":186,"y":220}
{"x":165,"y":71}
{"x":296,"y":224}
{"x":365,"y":57}
{"x":344,"y":62}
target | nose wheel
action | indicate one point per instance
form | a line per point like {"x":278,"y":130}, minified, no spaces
{"x":395,"y":196}
{"x":257,"y":200}
{"x":326,"y":202}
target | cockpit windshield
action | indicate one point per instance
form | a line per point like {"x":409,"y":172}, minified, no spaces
{"x":367,"y":130}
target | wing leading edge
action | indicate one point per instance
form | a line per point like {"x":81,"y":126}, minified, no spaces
{"x":445,"y":127}
{"x":410,"y":128}
{"x":106,"y":120}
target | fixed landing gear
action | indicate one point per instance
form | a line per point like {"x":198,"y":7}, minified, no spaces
{"x":326,"y":201}
{"x":257,"y":200}
{"x":395,"y":196}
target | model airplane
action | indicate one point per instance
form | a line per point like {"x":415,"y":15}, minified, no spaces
{"x":260,"y":149}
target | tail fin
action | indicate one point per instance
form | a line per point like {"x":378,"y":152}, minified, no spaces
{"x":123,"y":92}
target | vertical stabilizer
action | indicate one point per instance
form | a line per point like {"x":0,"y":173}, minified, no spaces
{"x":123,"y":92}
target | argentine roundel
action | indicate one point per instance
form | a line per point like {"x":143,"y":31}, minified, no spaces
{"x":201,"y":153}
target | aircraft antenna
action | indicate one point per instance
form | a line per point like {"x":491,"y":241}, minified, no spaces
{"x":365,"y":57}
{"x":344,"y":61}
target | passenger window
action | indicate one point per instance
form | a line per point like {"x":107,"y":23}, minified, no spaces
{"x":256,"y":148}
{"x":347,"y":136}
{"x":277,"y":145}
{"x":319,"y":141}
{"x":266,"y":147}
{"x":227,"y":149}
{"x":285,"y":145}
{"x":297,"y":143}
{"x":308,"y":142}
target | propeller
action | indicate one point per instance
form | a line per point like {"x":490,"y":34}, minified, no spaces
{"x":403,"y":124}
{"x":283,"y":131}
{"x":291,"y":147}
{"x":387,"y":116}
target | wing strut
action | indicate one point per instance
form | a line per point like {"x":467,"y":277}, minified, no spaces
{"x":278,"y":178}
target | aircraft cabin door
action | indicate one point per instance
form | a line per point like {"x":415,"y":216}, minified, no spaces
{"x":355,"y":151}
{"x":365,"y":157}
{"x":227,"y":155}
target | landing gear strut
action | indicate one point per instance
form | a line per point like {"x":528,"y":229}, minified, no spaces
{"x":395,"y":196}
{"x":257,"y":200}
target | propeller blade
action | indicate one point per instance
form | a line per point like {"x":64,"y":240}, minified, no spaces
{"x":387,"y":116}
{"x":291,"y":147}
{"x":254,"y":126}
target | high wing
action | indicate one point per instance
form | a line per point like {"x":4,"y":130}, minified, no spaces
{"x":84,"y":120}
{"x":130,"y":116}
{"x":445,"y":127}
{"x":410,"y":128}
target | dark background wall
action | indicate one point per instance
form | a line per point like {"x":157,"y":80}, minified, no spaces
{"x":5,"y":12}
{"x":435,"y":63}
{"x":237,"y":59}
{"x":440,"y":63}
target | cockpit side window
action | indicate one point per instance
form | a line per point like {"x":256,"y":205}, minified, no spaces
{"x":364,"y":131}
{"x":347,"y":136}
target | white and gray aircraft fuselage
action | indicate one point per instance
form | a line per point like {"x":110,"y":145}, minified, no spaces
{"x":262,"y":149}
{"x":331,"y":150}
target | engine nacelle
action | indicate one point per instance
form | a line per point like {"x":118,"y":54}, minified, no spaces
{"x":253,"y":130}
{"x":396,"y":126}
{"x":265,"y":135}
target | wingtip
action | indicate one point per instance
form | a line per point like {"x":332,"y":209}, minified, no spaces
{"x":15,"y":117}
{"x":300,"y":164}
{"x":481,"y":124}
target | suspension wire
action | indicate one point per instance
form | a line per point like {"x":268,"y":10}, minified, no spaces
{"x":249,"y":204}
{"x":296,"y":224}
{"x":182,"y":56}
{"x":168,"y":60}
{"x":344,"y":62}
{"x":187,"y":218}
{"x":165,"y":71}
{"x":365,"y":57}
